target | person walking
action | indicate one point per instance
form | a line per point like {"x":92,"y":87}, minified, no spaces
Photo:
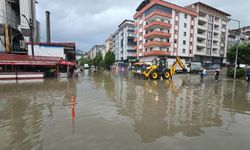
{"x":217,"y":75}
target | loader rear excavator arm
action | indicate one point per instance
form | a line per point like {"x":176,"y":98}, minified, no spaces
{"x":173,"y":67}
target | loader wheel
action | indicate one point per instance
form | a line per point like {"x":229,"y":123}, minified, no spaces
{"x":166,"y":74}
{"x":154,"y":75}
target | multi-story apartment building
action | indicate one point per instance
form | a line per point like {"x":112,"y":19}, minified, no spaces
{"x":124,"y":42}
{"x":164,"y":29}
{"x":233,"y":36}
{"x":14,"y":26}
{"x":211,"y":30}
{"x":109,"y":45}
{"x":95,"y":49}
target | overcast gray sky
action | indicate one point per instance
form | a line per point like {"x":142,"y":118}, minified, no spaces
{"x":90,"y":22}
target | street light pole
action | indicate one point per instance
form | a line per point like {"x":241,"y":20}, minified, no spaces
{"x":30,"y":23}
{"x":237,"y":49}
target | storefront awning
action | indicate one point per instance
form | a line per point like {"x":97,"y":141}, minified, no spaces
{"x":63,"y":62}
{"x":12,"y":59}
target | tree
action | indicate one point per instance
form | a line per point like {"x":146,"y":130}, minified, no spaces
{"x":97,"y":60}
{"x":109,"y":60}
{"x":83,"y":61}
{"x":243,"y":55}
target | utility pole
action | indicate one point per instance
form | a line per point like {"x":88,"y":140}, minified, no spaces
{"x":237,"y":49}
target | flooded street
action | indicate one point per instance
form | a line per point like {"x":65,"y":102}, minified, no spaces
{"x":116,"y":111}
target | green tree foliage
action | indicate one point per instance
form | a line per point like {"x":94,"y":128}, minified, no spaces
{"x":244,"y":54}
{"x":97,"y":61}
{"x":109,"y":60}
{"x":241,"y":72}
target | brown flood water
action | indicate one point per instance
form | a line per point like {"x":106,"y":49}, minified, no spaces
{"x":117,"y":112}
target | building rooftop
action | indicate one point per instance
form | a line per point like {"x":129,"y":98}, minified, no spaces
{"x":126,"y":21}
{"x":147,"y":3}
{"x":210,"y":7}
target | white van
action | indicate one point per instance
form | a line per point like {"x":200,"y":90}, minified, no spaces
{"x":86,"y":66}
{"x":194,"y":67}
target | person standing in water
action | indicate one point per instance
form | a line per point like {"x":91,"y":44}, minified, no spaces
{"x":217,"y":75}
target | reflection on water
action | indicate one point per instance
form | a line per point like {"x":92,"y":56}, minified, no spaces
{"x":115,"y":111}
{"x":24,"y":108}
{"x":165,"y":108}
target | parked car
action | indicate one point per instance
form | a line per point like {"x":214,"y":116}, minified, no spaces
{"x":248,"y":74}
{"x":194,"y":67}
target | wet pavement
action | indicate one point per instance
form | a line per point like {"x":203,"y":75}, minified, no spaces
{"x":115,"y":111}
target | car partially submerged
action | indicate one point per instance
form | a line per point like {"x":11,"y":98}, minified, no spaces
{"x":138,"y":68}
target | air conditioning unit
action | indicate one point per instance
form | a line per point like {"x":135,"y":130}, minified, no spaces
{"x":23,"y":45}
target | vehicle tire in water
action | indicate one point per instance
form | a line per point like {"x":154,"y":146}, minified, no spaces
{"x":166,"y":74}
{"x":154,"y":75}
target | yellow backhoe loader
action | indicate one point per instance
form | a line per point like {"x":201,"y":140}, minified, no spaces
{"x":160,"y":69}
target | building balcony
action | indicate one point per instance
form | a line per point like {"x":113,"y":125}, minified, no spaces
{"x":204,"y":28}
{"x":216,"y":31}
{"x":157,"y":34}
{"x":157,"y":44}
{"x":204,"y":19}
{"x":156,"y":53}
{"x":217,"y":23}
{"x":135,"y":40}
{"x":131,"y":35}
{"x":136,"y":47}
{"x":132,"y":55}
{"x":222,"y":52}
{"x":158,"y":24}
{"x":158,"y":13}
{"x":136,"y":23}
{"x":201,"y":36}
{"x":201,"y":44}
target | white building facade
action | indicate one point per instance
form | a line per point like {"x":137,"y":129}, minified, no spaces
{"x":212,"y":34}
{"x":95,"y":49}
{"x":13,"y":25}
{"x":124,"y":42}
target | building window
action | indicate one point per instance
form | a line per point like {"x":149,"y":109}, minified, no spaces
{"x":185,"y":34}
{"x":192,"y":26}
{"x":183,"y":51}
{"x":162,"y":20}
{"x":184,"y":42}
{"x":186,"y":16}
{"x":176,"y":32}
{"x":190,"y":51}
{"x":175,"y":40}
{"x":185,"y":25}
{"x":151,"y":48}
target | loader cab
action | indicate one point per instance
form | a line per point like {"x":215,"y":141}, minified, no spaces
{"x":161,"y":63}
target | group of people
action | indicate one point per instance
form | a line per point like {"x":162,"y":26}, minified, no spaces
{"x":203,"y":73}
